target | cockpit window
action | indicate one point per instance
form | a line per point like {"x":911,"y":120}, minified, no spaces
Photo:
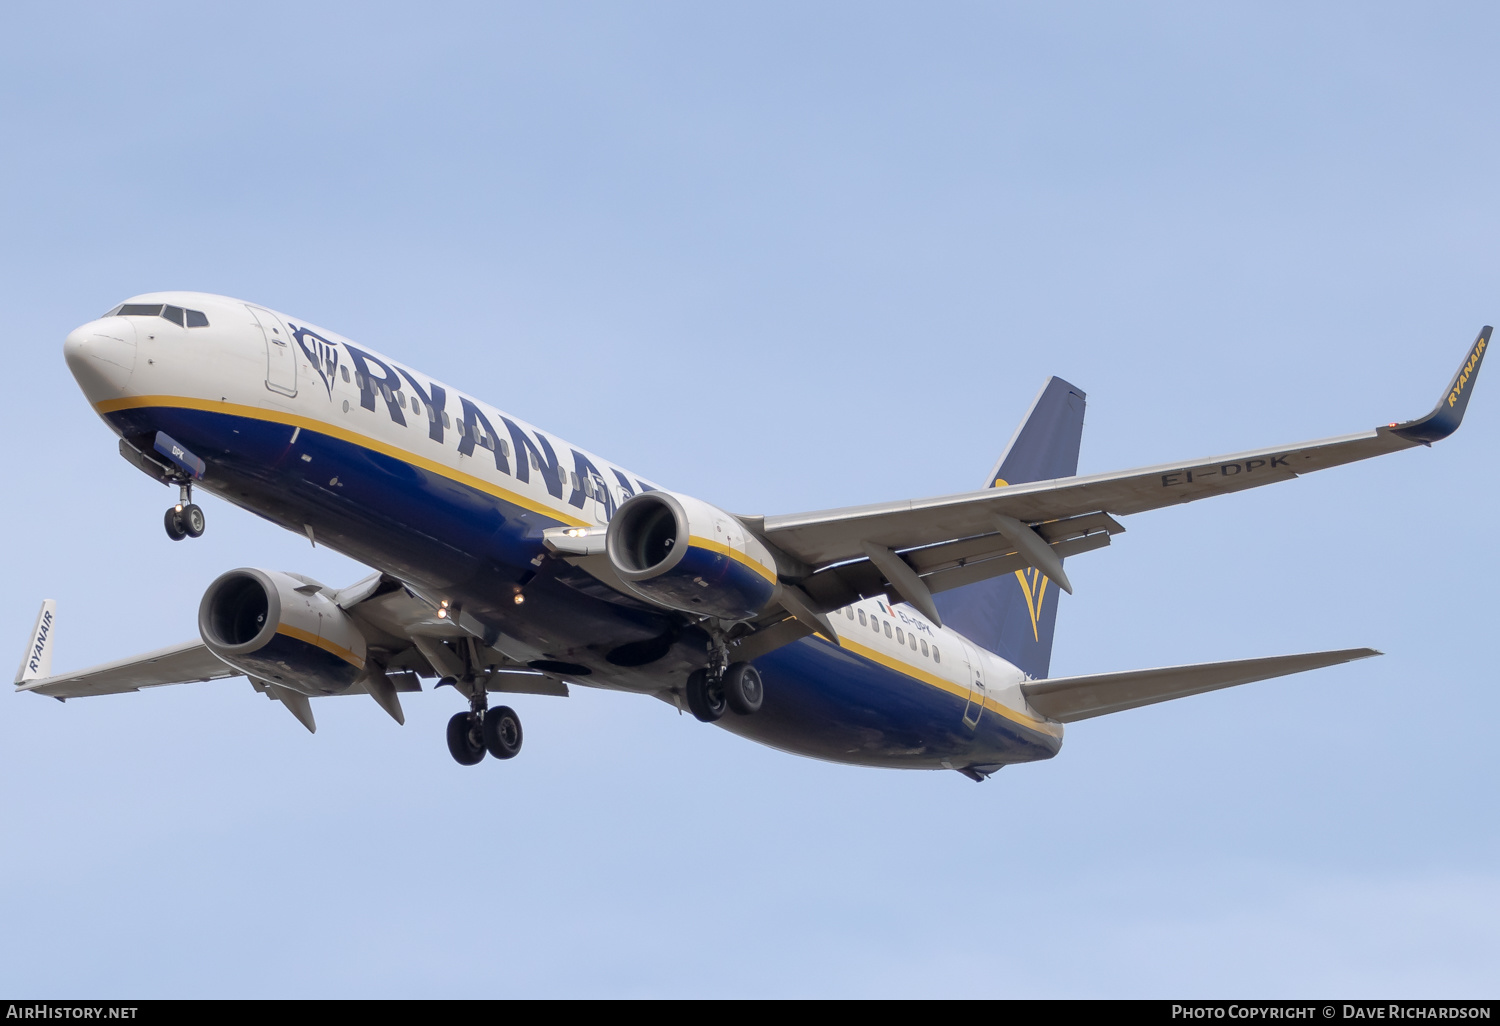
{"x":176,"y":314}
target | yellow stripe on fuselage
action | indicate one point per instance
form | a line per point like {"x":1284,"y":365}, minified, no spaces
{"x":738,"y":557}
{"x":343,"y":434}
{"x":942,"y":683}
{"x":323,"y":643}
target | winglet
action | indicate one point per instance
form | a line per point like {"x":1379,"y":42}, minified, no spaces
{"x":1449,"y":412}
{"x":37,"y":662}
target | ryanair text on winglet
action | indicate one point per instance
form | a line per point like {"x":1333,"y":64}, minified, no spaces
{"x":44,"y":627}
{"x":1463,"y":375}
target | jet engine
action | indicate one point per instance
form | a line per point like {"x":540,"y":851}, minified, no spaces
{"x":281,"y":628}
{"x":684,"y":554}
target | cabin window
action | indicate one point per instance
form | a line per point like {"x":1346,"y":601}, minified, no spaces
{"x":359,"y":379}
{"x":446,"y":421}
{"x":850,"y":611}
{"x":536,"y":462}
{"x":937,"y":656}
{"x":875,"y":623}
{"x":196,"y":319}
{"x":431,"y":414}
{"x":861,"y":617}
{"x":345,"y":372}
{"x":900,"y":636}
{"x":913,"y":639}
{"x":924,"y":648}
{"x":888,"y":628}
{"x":577,"y":485}
{"x":401,"y":399}
{"x":416,"y":407}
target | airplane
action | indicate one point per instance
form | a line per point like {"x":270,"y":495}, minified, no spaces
{"x":909,"y":634}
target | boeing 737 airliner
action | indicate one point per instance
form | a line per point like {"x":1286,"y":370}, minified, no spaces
{"x":912,"y":634}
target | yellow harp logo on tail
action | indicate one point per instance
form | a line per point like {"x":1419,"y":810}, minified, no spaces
{"x":1034,"y":587}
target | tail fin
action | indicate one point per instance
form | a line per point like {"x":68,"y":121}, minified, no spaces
{"x":1014,"y":616}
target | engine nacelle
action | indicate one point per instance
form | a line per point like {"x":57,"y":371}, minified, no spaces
{"x":283,"y":629}
{"x":682,"y":553}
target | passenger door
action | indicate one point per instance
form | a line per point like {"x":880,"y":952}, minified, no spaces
{"x":974,"y":711}
{"x":281,"y":358}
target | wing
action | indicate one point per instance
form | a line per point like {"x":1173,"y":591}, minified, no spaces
{"x":1078,"y":698}
{"x":186,"y":663}
{"x":915,"y":548}
{"x":407,"y":638}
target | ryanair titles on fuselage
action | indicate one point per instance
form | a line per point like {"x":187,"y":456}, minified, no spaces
{"x":378,"y":380}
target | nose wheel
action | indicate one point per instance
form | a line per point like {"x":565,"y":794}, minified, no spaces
{"x":184,"y":520}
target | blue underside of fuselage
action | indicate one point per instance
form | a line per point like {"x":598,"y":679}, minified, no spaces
{"x":449,"y":538}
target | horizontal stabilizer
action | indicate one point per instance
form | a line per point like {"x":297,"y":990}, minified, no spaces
{"x":1078,"y":698}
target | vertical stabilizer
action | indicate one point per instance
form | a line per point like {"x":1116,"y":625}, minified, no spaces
{"x":1014,"y":615}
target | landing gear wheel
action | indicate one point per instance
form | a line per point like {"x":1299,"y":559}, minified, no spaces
{"x":743,"y":689}
{"x":176,"y":528}
{"x":192,"y":520}
{"x":465,"y":747}
{"x":705,"y":696}
{"x":502,"y":732}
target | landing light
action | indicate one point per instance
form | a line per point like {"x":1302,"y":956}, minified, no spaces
{"x":520,"y":599}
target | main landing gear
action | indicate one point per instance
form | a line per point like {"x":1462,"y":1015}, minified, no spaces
{"x":738,"y":687}
{"x":184,"y":520}
{"x":496,"y":731}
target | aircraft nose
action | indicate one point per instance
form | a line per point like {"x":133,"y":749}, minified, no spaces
{"x":101,"y":355}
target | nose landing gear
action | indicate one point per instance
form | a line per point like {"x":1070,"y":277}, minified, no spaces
{"x":184,"y":520}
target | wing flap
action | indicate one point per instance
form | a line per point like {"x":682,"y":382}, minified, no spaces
{"x":1068,"y":699}
{"x":186,"y":663}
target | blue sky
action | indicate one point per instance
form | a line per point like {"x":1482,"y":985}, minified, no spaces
{"x":782,"y":257}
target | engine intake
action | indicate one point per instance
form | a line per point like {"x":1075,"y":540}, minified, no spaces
{"x":281,"y":628}
{"x":682,"y":553}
